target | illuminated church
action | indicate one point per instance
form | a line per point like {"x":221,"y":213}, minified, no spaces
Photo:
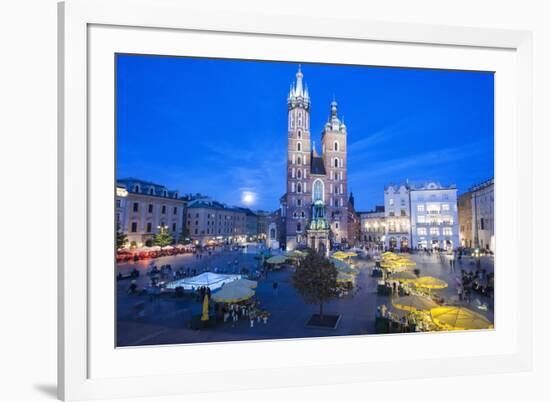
{"x":315,"y":204}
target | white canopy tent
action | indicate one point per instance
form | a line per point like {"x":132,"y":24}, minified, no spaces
{"x":209,"y":279}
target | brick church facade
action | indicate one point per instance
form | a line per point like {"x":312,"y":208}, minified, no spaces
{"x":316,"y":183}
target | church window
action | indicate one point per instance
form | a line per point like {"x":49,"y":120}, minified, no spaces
{"x":299,"y":202}
{"x":151,"y":191}
{"x":336,"y":146}
{"x":299,"y":147}
{"x":335,"y":162}
{"x":299,"y":160}
{"x":299,"y":188}
{"x":318,"y":190}
{"x":299,"y":134}
{"x":298,"y":227}
{"x":291,"y":121}
{"x":299,"y":119}
{"x":136,"y":188}
{"x":303,"y":214}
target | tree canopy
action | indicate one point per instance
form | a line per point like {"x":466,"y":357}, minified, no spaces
{"x":315,"y":279}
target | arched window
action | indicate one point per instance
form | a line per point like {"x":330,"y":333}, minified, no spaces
{"x":299,"y":119}
{"x":272,"y":233}
{"x":299,"y":147}
{"x":336,"y":146}
{"x":318,"y":190}
{"x":151,"y":191}
{"x":299,"y":160}
{"x":136,"y":188}
{"x":335,"y":162}
{"x":299,"y":174}
{"x":299,"y":188}
{"x":298,"y":227}
{"x":303,"y":214}
{"x":299,"y":134}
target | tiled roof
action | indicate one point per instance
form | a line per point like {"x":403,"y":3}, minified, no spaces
{"x":318,"y":166}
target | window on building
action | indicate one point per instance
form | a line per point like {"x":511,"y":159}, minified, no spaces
{"x":118,"y":202}
{"x":150,"y":208}
{"x":391,"y":201}
{"x":175,"y":210}
{"x":403,"y":212}
{"x":196,"y":231}
{"x":298,"y":227}
{"x":299,"y":134}
{"x":445,"y":207}
{"x":421,"y":219}
{"x":151,"y":191}
{"x":392,"y":213}
{"x":163,"y":210}
{"x":434,"y":231}
{"x":136,"y":207}
{"x":299,"y":160}
{"x":136,"y":188}
{"x":482,"y":224}
{"x":299,"y":174}
{"x":336,"y":146}
{"x":173,"y":227}
{"x":149,"y":227}
{"x":336,"y":225}
{"x":299,"y":147}
{"x":335,"y":162}
{"x":299,"y":202}
{"x":421,"y":231}
{"x":447,"y":231}
{"x":134,"y":227}
{"x":420,"y":207}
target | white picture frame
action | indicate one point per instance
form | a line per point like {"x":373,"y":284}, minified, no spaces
{"x":88,"y":368}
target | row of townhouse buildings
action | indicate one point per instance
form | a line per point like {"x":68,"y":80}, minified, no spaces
{"x":144,"y":208}
{"x":423,"y":217}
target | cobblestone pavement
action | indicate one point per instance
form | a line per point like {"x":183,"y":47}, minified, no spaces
{"x":165,"y":320}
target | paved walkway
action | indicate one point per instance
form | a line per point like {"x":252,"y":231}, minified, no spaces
{"x":166,"y":319}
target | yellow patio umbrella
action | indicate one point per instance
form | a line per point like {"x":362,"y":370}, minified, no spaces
{"x":429,"y":282}
{"x":295,"y":254}
{"x":459,"y":318}
{"x":276,"y":259}
{"x":339,"y":255}
{"x":414,"y":303}
{"x":233,"y":294}
{"x":244,"y":282}
{"x":205,"y":316}
{"x":404,"y":276}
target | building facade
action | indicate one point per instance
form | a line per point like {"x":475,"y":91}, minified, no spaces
{"x":434,"y":217}
{"x":373,"y":228}
{"x":142,"y":208}
{"x":483,"y":215}
{"x":209,"y":221}
{"x":397,"y":213}
{"x":465,"y":228}
{"x":314,"y":179}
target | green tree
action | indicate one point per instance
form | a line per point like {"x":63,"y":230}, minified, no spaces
{"x":121,"y":238}
{"x":315,"y":280}
{"x":163,"y":238}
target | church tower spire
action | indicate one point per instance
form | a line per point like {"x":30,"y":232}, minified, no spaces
{"x":299,"y":154}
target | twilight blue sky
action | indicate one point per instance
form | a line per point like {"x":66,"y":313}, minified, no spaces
{"x":219,"y":127}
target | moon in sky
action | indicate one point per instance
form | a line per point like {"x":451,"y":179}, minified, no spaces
{"x":248,"y":197}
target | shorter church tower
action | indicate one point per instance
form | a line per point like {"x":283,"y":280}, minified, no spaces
{"x":334,"y":143}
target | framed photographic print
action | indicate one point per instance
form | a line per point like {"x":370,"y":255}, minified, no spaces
{"x":244,"y":196}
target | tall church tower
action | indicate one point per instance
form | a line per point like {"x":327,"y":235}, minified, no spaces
{"x":298,"y":163}
{"x":334,"y":145}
